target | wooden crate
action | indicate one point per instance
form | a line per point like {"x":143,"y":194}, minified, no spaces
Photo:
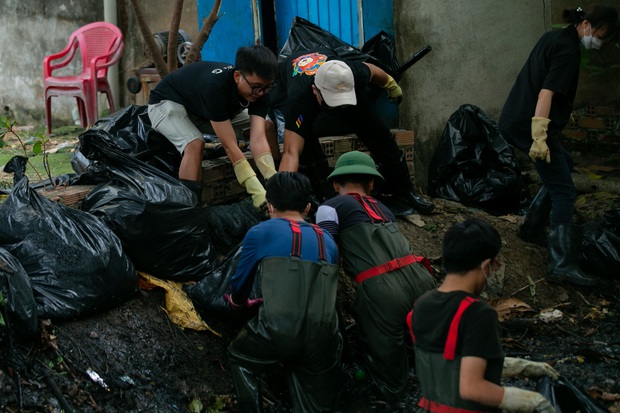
{"x":219,"y":181}
{"x":592,"y":123}
{"x":227,"y":190}
{"x":334,"y":146}
{"x":71,"y":196}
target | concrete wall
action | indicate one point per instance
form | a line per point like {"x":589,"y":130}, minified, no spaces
{"x":32,"y":29}
{"x":478,"y":50}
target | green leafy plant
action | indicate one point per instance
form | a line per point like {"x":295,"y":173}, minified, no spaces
{"x":38,"y":147}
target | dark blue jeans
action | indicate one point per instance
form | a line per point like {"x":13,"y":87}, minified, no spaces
{"x":557,"y":179}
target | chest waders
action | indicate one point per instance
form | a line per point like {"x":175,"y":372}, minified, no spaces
{"x":387,"y":288}
{"x":439,"y":373}
{"x":297,"y":326}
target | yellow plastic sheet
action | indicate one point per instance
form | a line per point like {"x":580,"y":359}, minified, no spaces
{"x":179,"y":306}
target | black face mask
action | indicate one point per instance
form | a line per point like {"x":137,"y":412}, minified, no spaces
{"x":331,"y":109}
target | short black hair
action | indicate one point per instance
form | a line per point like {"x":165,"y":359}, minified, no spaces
{"x":258,"y":60}
{"x":359,"y":179}
{"x":289,"y":191}
{"x":599,"y":15}
{"x":468,"y":243}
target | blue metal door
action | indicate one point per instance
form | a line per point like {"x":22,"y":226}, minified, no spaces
{"x":238,"y":26}
{"x":339,"y":17}
{"x":352,"y":21}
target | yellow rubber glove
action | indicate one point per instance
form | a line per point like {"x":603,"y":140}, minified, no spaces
{"x":539,"y":149}
{"x":514,"y":366}
{"x":394,"y":91}
{"x":247,"y":178}
{"x":526,"y":401}
{"x":265,"y":164}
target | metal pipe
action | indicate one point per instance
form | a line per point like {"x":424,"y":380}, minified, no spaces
{"x":110,"y":16}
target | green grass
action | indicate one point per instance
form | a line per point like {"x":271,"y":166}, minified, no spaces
{"x":59,"y":162}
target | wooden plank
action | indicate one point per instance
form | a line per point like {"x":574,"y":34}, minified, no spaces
{"x":606,"y":111}
{"x":67,"y":195}
{"x":403,"y":137}
{"x":592,"y":123}
{"x":220,"y":184}
{"x":577,"y":134}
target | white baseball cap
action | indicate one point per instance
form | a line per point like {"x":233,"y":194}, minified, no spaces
{"x":334,"y":79}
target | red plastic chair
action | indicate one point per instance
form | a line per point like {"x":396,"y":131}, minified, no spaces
{"x":101,"y":45}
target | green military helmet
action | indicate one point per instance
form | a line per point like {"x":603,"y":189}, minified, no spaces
{"x":355,"y":163}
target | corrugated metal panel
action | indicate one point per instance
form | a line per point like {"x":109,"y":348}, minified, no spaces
{"x":339,"y":17}
{"x":235,"y":28}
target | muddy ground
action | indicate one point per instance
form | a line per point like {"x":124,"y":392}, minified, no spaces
{"x":148,"y":364}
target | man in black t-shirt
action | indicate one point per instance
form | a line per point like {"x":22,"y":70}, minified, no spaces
{"x":210,"y":97}
{"x":317,"y":81}
{"x":459,"y":357}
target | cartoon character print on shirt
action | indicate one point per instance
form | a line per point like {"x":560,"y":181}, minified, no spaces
{"x":308,"y":64}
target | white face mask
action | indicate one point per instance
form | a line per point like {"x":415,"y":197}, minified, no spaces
{"x":486,"y":278}
{"x":589,"y":41}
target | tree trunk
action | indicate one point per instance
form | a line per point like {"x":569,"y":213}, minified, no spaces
{"x":173,"y":34}
{"x":207,"y":26}
{"x":149,"y":40}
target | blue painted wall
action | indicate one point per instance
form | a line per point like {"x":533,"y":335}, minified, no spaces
{"x":339,"y":17}
{"x":234,"y":29}
{"x":378,"y":15}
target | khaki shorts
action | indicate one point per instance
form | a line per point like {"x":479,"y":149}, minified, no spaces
{"x":172,"y":120}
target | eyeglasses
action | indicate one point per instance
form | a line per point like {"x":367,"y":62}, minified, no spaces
{"x":257,"y":89}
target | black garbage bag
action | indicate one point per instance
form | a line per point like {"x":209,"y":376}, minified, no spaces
{"x":208,"y":294}
{"x":132,"y":132}
{"x":474,"y":165}
{"x":382,"y":48}
{"x":229,"y":223}
{"x":379,"y":50}
{"x":567,"y":397}
{"x":305,"y":35}
{"x":76,"y":265}
{"x":600,"y":246}
{"x":157,"y":219}
{"x":17,"y":305}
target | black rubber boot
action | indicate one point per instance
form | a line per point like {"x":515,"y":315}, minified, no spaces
{"x":398,"y":182}
{"x":563,"y":245}
{"x":533,"y":229}
{"x":195,"y":187}
{"x":247,"y":387}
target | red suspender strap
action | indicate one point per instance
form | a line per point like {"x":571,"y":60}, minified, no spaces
{"x":296,"y":247}
{"x":383,"y":268}
{"x":453,"y":334}
{"x":370,"y":206}
{"x":425,"y":262}
{"x":434,"y":407}
{"x":321,"y":241}
{"x":409,"y":321}
{"x":375,"y":206}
